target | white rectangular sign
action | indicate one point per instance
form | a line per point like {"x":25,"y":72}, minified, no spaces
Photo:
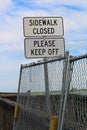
{"x":47,"y":47}
{"x":43,"y":26}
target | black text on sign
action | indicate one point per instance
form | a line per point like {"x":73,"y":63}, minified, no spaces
{"x":44,"y":47}
{"x":42,"y":26}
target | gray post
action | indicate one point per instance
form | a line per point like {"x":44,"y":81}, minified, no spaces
{"x":46,"y":86}
{"x":66,"y":92}
{"x":62,"y":91}
{"x":67,"y":74}
{"x":15,"y":121}
{"x":19,"y":82}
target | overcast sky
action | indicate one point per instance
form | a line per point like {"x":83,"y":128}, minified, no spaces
{"x":74,"y":14}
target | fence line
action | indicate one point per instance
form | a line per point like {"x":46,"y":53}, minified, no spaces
{"x":78,"y":91}
{"x":32,"y":85}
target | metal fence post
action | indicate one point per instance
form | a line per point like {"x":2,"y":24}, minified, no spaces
{"x":15,"y":120}
{"x":19,"y":82}
{"x":67,"y":74}
{"x":62,"y":91}
{"x":46,"y":86}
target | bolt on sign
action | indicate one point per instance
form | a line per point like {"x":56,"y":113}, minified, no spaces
{"x":37,"y":48}
{"x":43,"y":26}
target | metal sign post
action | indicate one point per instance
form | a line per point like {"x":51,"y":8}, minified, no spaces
{"x":46,"y":86}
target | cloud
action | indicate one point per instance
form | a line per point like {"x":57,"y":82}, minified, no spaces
{"x":30,"y":13}
{"x":76,"y":47}
{"x":8,"y":73}
{"x":11,"y":24}
{"x":67,"y":2}
{"x":5,"y":5}
{"x":11,"y":32}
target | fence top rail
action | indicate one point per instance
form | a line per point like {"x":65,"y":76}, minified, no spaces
{"x":7,"y":102}
{"x":78,"y":57}
{"x":72,"y":59}
{"x":43,"y":62}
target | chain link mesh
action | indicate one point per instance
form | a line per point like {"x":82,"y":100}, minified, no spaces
{"x":32,"y":96}
{"x":55,"y":74}
{"x":76,"y":112}
{"x":32,"y":80}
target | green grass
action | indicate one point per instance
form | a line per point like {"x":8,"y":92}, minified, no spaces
{"x":74,"y":91}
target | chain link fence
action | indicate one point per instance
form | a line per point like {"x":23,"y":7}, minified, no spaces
{"x":56,"y":86}
{"x":76,"y":111}
{"x":39,"y":91}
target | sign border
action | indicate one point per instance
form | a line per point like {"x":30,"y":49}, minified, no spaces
{"x":45,"y":38}
{"x":45,"y":34}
